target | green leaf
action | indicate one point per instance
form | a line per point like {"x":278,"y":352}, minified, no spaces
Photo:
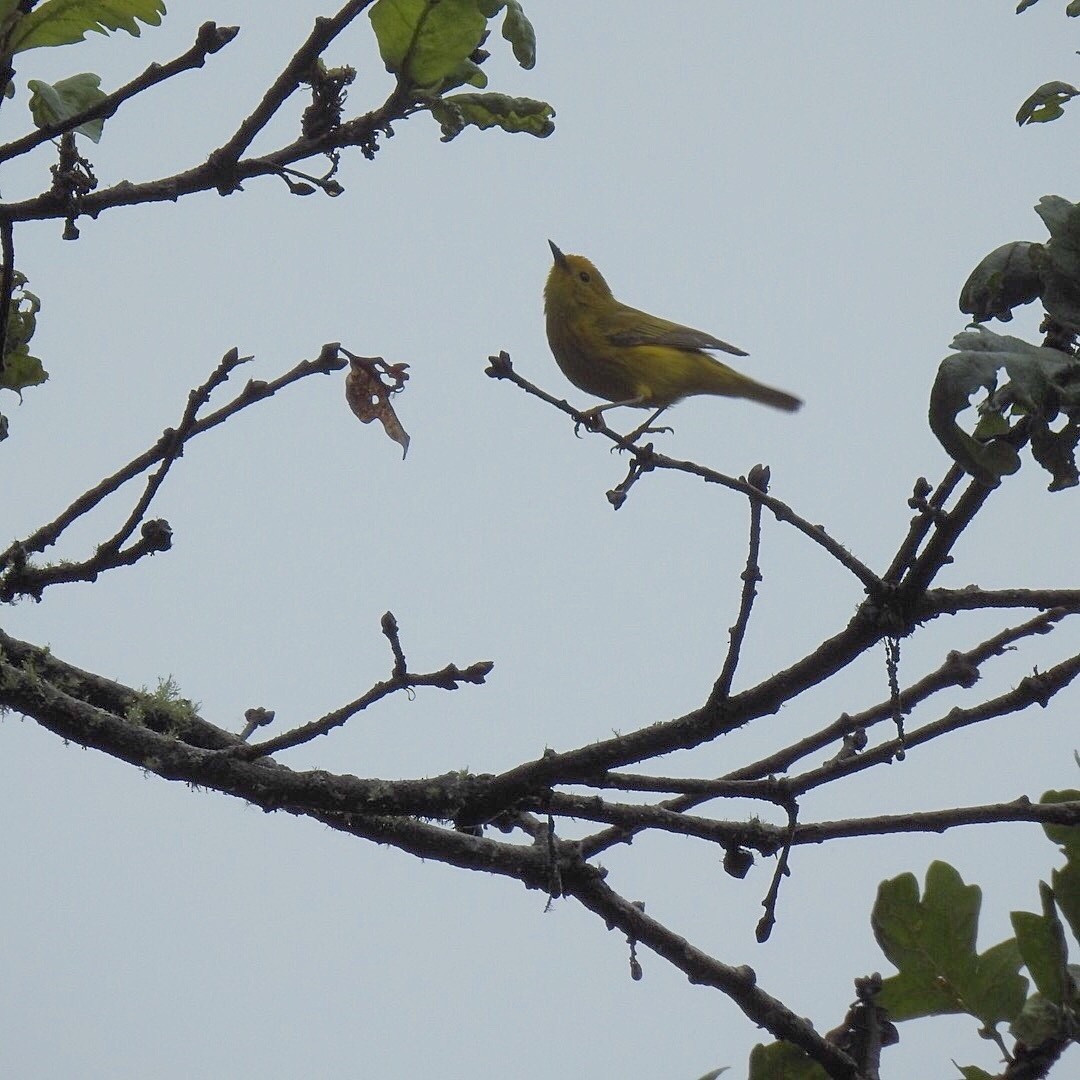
{"x":1045,"y":103}
{"x":1005,"y":279}
{"x":22,"y":370}
{"x":1024,"y":5}
{"x":932,"y":944}
{"x":1058,"y":260}
{"x":1042,"y":381}
{"x":425,"y":42}
{"x":997,"y":989}
{"x":55,"y":103}
{"x":973,"y":1072}
{"x":466,"y":72}
{"x":459,"y":111}
{"x":519,"y":32}
{"x":1066,"y":884}
{"x":1041,"y":939}
{"x":64,"y":22}
{"x":783,"y":1061}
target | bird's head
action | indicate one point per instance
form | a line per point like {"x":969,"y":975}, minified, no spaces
{"x":574,"y":282}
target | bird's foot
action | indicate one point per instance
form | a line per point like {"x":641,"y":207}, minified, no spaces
{"x":648,"y":429}
{"x":591,"y":420}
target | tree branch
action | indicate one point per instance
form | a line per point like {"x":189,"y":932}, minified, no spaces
{"x":320,"y":38}
{"x":210,"y":39}
{"x":17,"y":577}
{"x":499,"y":367}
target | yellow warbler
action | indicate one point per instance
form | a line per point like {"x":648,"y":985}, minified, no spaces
{"x":630,"y":357}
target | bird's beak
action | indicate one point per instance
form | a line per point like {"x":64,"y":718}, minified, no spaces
{"x":560,"y":258}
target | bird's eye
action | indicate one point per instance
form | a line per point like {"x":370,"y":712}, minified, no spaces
{"x":584,"y":275}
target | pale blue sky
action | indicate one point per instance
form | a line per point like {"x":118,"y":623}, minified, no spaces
{"x":812,"y":182}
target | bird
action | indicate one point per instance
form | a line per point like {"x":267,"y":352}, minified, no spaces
{"x":629,"y":357}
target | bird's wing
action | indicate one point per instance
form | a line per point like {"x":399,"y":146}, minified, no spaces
{"x":651,"y":330}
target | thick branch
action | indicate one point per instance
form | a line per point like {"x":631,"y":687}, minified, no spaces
{"x":759,"y":779}
{"x":66,"y":713}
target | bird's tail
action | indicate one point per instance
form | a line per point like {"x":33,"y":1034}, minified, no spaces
{"x":768,"y":395}
{"x":714,"y":377}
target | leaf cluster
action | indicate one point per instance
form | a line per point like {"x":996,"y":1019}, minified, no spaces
{"x":932,"y":942}
{"x":1038,"y":400}
{"x":435,"y":46}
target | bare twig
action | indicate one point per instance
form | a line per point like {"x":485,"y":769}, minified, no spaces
{"x":780,"y":871}
{"x":390,"y":629}
{"x":173,"y":443}
{"x":936,"y":602}
{"x":7,"y":285}
{"x":1037,"y":689}
{"x":759,"y":835}
{"x":759,"y":477}
{"x":940,"y":821}
{"x":27,"y":579}
{"x":400,"y":679}
{"x":946,"y":528}
{"x":930,"y":512}
{"x":739,"y":984}
{"x":958,"y":669}
{"x":255,"y":390}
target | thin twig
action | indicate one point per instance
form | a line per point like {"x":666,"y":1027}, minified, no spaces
{"x":326,"y":29}
{"x":30,"y":580}
{"x":751,"y":575}
{"x":756,"y":834}
{"x":940,"y":821}
{"x":7,"y":285}
{"x":769,"y":789}
{"x":767,"y":921}
{"x":935,"y":602}
{"x":1037,"y":689}
{"x":946,"y":531}
{"x":500,"y":367}
{"x":739,"y":984}
{"x":958,"y":669}
{"x":173,"y":440}
{"x":210,"y":39}
{"x":390,"y":629}
{"x":255,"y":391}
{"x":930,"y":511}
{"x":400,"y":679}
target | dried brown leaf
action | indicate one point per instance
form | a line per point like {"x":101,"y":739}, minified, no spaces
{"x":368,"y":386}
